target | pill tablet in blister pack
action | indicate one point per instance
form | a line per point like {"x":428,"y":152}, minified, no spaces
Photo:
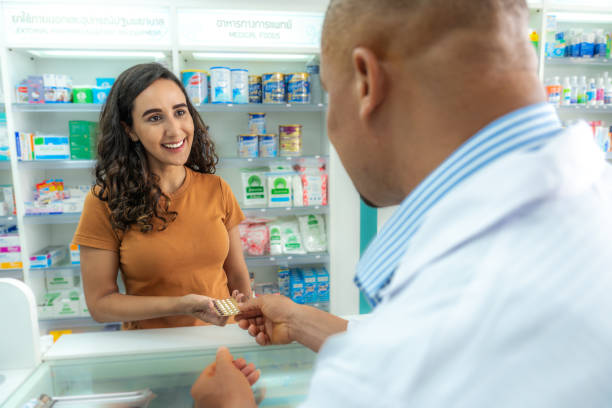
{"x":226,"y":307}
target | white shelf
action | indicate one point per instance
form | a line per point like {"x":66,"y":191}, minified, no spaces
{"x":58,"y":268}
{"x":288,"y":260}
{"x":76,"y":321}
{"x":66,"y":218}
{"x":223,"y":162}
{"x":57,"y":107}
{"x":5,"y":165}
{"x":57,"y":164}
{"x":209,"y":107}
{"x":586,"y":108}
{"x":595,"y":62}
{"x":285,"y":211}
{"x":8,"y":219}
{"x":265,"y":161}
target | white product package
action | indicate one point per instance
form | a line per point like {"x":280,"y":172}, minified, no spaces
{"x":314,"y":182}
{"x":298,"y":191}
{"x":312,"y":228}
{"x":291,"y":240}
{"x":279,"y":189}
{"x":254,"y":188}
{"x":276,"y":244}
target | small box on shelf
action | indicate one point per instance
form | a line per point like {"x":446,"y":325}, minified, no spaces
{"x":49,"y":256}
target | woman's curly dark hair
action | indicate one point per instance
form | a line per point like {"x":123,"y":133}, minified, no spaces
{"x":123,"y":178}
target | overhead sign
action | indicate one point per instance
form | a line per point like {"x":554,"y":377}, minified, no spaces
{"x":239,"y":29}
{"x":92,"y":26}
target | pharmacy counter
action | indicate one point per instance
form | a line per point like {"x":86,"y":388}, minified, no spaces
{"x":166,"y":361}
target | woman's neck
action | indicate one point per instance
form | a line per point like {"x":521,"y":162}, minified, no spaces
{"x":171,"y":178}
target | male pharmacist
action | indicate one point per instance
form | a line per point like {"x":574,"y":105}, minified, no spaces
{"x":492,"y":282}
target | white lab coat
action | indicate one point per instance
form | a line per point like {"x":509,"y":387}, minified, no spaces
{"x":503,"y":299}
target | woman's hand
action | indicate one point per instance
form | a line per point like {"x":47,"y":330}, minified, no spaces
{"x":201,"y":307}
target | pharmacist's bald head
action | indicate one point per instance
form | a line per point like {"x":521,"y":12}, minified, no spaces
{"x":410,"y":80}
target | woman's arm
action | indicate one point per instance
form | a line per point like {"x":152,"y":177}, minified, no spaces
{"x":99,"y":270}
{"x":235,"y":265}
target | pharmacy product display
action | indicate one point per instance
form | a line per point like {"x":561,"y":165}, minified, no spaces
{"x":4,"y":139}
{"x":257,"y":143}
{"x":284,"y":236}
{"x":80,"y":144}
{"x":51,"y":197}
{"x":580,"y":90}
{"x":58,"y":88}
{"x":223,"y":84}
{"x":580,"y":43}
{"x":602,"y":133}
{"x":279,"y":185}
{"x":10,"y":248}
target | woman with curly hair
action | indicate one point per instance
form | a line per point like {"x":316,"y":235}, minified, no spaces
{"x":157,"y":212}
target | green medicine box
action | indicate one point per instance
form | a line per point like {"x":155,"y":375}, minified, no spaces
{"x":82,"y":95}
{"x":82,"y":139}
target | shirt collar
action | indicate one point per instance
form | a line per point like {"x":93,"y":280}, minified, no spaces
{"x":524,"y":129}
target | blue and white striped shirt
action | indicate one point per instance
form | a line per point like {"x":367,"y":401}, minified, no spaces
{"x":526,"y":128}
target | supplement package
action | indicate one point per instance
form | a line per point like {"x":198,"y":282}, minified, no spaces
{"x":291,"y":240}
{"x":257,"y":240}
{"x":279,"y":190}
{"x":314,"y":182}
{"x":276,"y":245}
{"x":312,"y":228}
{"x":254,"y":187}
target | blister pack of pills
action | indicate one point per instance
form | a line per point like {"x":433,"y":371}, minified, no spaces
{"x":226,"y":307}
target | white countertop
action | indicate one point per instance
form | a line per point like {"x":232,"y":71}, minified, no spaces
{"x":10,"y":380}
{"x":132,"y":342}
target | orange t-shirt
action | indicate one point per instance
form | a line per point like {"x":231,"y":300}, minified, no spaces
{"x":186,"y":257}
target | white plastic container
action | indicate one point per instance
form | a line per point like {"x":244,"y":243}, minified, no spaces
{"x":240,"y":85}
{"x":220,"y":85}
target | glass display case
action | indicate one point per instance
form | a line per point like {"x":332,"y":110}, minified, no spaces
{"x":285,"y":376}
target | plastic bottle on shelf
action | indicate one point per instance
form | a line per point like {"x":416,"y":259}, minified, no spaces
{"x":588,"y":45}
{"x":608,"y":94}
{"x":316,"y":93}
{"x":592,"y":92}
{"x":582,"y":90}
{"x":601,"y":90}
{"x":566,"y":99}
{"x":574,"y":91}
{"x":600,"y":43}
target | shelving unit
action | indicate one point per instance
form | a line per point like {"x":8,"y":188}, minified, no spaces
{"x":20,"y":57}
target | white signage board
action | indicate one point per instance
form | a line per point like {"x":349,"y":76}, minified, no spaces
{"x":82,"y":25}
{"x":240,"y":29}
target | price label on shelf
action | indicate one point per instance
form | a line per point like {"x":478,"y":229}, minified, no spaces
{"x":224,"y":29}
{"x":86,"y":25}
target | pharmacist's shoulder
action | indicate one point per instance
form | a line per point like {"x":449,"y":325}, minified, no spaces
{"x":210,"y":183}
{"x":94,"y":203}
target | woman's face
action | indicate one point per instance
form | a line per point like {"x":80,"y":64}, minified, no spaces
{"x":163,"y":124}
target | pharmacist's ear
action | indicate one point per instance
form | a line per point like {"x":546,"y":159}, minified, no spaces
{"x":370,"y":81}
{"x":133,"y":137}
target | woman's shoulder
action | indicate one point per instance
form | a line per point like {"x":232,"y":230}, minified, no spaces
{"x":206,"y":180}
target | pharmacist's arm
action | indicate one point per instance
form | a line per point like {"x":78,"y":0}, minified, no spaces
{"x":275,"y":319}
{"x":99,"y":269}
{"x":235,"y":266}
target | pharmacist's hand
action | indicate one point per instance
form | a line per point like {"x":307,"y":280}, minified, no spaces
{"x":202,"y":307}
{"x":268,"y":318}
{"x":222,"y":384}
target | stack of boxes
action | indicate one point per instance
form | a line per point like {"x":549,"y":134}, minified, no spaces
{"x":82,"y":140}
{"x":64,"y":293}
{"x":10,"y":249}
{"x":305,"y":286}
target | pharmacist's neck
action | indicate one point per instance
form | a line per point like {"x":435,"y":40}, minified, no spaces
{"x":171,"y":178}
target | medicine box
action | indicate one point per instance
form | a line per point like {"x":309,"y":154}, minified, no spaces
{"x":75,"y":254}
{"x":296,"y":286}
{"x":9,"y":240}
{"x":283,"y":281}
{"x":10,"y":260}
{"x":100,"y":94}
{"x":49,"y":304}
{"x":69,"y":304}
{"x":61,"y":279}
{"x":48,"y":257}
{"x":82,"y":139}
{"x":51,"y":148}
{"x":322,"y":285}
{"x":310,"y":286}
{"x":105,"y":82}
